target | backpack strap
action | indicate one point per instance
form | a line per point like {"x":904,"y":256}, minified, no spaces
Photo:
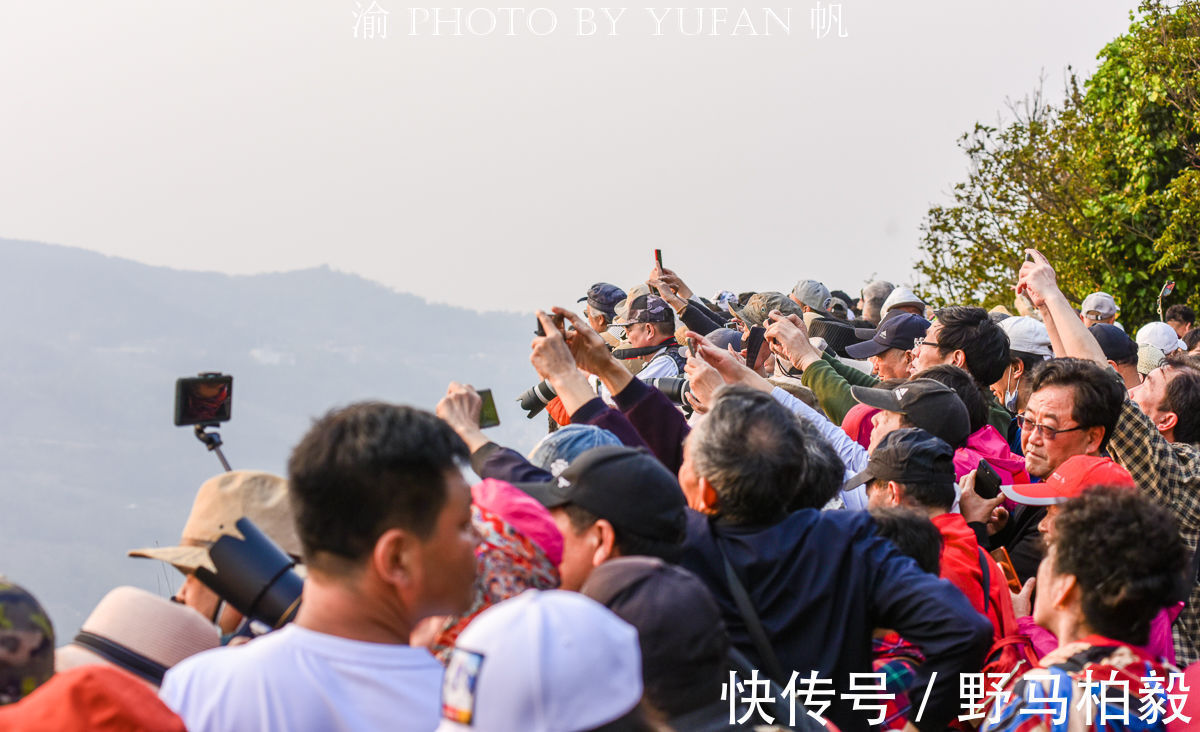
{"x":753,"y":625}
{"x":987,"y":578}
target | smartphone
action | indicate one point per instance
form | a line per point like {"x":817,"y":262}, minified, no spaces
{"x":1006,"y":566}
{"x":658,"y":258}
{"x":692,"y":346}
{"x":203,"y":399}
{"x":754,"y":344}
{"x":488,"y":416}
{"x":987,"y":481}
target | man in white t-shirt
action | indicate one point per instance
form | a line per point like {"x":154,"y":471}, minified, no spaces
{"x":384,"y":518}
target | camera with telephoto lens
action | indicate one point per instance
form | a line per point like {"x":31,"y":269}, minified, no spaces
{"x":676,"y":389}
{"x":254,"y":575}
{"x":536,"y":397}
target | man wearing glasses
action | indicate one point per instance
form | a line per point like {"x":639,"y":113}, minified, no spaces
{"x":1071,"y":411}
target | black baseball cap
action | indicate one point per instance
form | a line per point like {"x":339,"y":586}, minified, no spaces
{"x":1116,"y":343}
{"x":909,"y":455}
{"x":898,"y":331}
{"x":629,"y":488}
{"x":928,"y":404}
{"x":604,"y":298}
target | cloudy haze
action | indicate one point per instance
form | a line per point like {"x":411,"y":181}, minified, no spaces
{"x":508,"y":172}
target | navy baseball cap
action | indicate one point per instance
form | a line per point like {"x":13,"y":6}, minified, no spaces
{"x":1116,"y":343}
{"x":899,"y":331}
{"x":603,"y":298}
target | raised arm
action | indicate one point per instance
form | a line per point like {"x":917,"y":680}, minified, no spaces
{"x":1039,"y":282}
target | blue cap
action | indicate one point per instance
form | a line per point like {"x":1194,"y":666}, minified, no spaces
{"x":604,"y":297}
{"x":899,"y":330}
{"x":566,"y":443}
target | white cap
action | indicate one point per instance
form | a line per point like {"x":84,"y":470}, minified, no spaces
{"x":900,"y":296}
{"x":1098,"y":306}
{"x":543,"y":661}
{"x":1161,"y":336}
{"x":1027,"y":335}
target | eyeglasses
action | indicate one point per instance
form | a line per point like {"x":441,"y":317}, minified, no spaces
{"x":1048,"y":433}
{"x":918,"y":342}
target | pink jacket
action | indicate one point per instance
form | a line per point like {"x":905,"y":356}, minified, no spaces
{"x":988,"y":444}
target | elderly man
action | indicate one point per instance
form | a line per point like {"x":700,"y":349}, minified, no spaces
{"x":602,"y":300}
{"x":220,"y":502}
{"x":812,"y":585}
{"x":1155,"y":431}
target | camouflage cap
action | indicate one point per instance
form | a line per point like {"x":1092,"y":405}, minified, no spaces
{"x":26,"y":643}
{"x":761,"y":304}
{"x":644,"y":309}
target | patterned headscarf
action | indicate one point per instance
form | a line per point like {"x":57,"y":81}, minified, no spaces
{"x":510,"y":559}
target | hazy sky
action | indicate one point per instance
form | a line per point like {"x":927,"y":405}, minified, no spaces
{"x":509,"y":172}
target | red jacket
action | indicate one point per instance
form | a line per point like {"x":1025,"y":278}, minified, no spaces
{"x":961,"y":566}
{"x":98,"y":698}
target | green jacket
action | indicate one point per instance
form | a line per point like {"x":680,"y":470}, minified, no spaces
{"x":830,"y":380}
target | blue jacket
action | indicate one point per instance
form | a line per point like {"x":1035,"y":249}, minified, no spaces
{"x":821,"y":582}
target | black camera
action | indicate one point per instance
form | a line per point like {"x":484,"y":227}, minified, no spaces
{"x":536,"y":397}
{"x":676,"y":388}
{"x":254,"y":575}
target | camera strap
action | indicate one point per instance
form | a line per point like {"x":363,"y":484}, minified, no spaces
{"x":125,"y":658}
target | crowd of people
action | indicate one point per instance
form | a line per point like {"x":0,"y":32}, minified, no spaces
{"x":761,"y":511}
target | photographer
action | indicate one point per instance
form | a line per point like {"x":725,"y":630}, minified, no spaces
{"x":649,"y":325}
{"x":220,"y":502}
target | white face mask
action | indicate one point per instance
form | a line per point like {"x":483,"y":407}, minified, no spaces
{"x":1010,"y":397}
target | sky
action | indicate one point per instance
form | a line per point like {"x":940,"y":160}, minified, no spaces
{"x":509,"y":168}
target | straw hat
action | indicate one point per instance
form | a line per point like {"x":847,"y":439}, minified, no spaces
{"x":221,"y":501}
{"x":138,"y":632}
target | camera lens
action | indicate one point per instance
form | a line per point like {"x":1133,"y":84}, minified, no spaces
{"x":534,"y":399}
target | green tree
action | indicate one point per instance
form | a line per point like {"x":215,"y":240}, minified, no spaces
{"x":1106,"y":182}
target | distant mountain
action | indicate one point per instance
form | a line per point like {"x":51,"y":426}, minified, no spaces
{"x":90,"y":347}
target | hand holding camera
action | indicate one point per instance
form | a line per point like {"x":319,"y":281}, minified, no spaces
{"x":788,"y":338}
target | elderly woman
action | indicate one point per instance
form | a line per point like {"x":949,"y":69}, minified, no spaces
{"x":1113,"y":561}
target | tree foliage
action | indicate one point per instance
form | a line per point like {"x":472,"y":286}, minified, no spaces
{"x":1106,"y":182}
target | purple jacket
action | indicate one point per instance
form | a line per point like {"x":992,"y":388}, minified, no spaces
{"x":646,"y":418}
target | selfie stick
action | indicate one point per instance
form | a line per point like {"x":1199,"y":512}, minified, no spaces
{"x":212,"y":440}
{"x":1166,"y":290}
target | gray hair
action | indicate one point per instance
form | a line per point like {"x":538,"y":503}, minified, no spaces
{"x":752,"y":450}
{"x":873,"y":296}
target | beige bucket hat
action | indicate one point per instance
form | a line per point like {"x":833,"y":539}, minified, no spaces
{"x":139,"y":632}
{"x":221,"y":501}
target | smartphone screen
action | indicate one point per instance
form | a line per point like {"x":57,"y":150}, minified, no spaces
{"x":754,"y":344}
{"x":488,"y":417}
{"x":658,"y":258}
{"x":206,"y":399}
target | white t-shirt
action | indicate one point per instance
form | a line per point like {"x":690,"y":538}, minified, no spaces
{"x":297,"y":679}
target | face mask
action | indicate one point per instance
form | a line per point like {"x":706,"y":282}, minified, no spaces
{"x":1010,"y":397}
